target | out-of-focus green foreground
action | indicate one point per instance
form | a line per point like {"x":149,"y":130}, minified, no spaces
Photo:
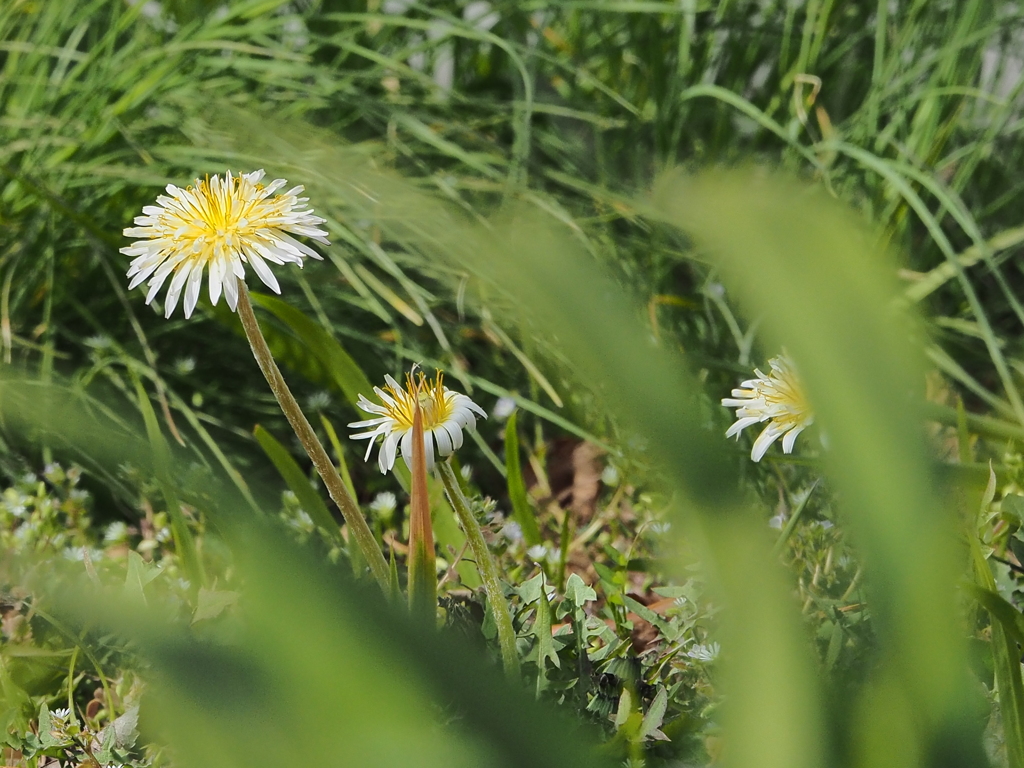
{"x":326,"y":673}
{"x":478,"y":166}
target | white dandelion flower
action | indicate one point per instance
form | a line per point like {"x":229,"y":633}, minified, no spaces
{"x":777,"y":398}
{"x":219,"y":223}
{"x":446,"y":415}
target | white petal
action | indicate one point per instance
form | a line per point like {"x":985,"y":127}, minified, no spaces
{"x":740,"y":425}
{"x":455,"y":432}
{"x":143,"y":273}
{"x":217,"y":272}
{"x":230,"y":284}
{"x":790,"y":438}
{"x":384,"y":396}
{"x":443,"y":440}
{"x":192,"y":289}
{"x":428,"y":449}
{"x":154,"y":286}
{"x":372,"y":433}
{"x":368,"y":423}
{"x":177,"y":283}
{"x":764,"y":442}
{"x":407,"y":448}
{"x":464,"y":418}
{"x":388,"y":451}
{"x":263,"y":270}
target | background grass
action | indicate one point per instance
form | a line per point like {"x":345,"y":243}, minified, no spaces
{"x":549,"y":122}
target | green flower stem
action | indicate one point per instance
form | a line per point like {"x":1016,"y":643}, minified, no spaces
{"x":488,"y":570}
{"x":357,"y":525}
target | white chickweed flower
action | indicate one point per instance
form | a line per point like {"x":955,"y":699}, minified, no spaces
{"x":219,"y":222}
{"x":702,"y":652}
{"x":777,"y":398}
{"x":384,"y":503}
{"x":445,"y":415}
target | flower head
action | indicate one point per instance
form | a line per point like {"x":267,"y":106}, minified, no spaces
{"x":777,"y":398}
{"x":219,"y":223}
{"x":445,"y":415}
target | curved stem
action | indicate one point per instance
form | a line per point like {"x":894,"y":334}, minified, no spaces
{"x":357,"y":525}
{"x":488,"y":570}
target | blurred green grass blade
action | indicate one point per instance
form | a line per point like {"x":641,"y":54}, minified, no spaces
{"x":299,"y":484}
{"x":183,"y":541}
{"x":516,"y":487}
{"x":1007,"y":640}
{"x":358,"y":684}
{"x":542,"y":274}
{"x":1007,"y":628}
{"x":345,"y":372}
{"x":834,"y":314}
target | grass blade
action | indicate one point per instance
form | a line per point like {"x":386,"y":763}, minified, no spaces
{"x":521,"y":507}
{"x":298,"y":483}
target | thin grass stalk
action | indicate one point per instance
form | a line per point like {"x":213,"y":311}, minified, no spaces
{"x":357,"y":525}
{"x":488,"y":570}
{"x":184,"y":544}
{"x":422,"y":563}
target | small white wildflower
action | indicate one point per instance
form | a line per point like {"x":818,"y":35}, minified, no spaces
{"x":610,"y":476}
{"x":77,"y":554}
{"x":503,"y":408}
{"x":704,"y":652}
{"x":184,"y":365}
{"x":301,"y":521}
{"x":445,"y":415}
{"x":512,"y":531}
{"x":538,"y":553}
{"x":319,"y":401}
{"x":220,"y":223}
{"x":777,"y":398}
{"x":116,"y":532}
{"x":717,"y":290}
{"x":660,"y":528}
{"x":384,"y":503}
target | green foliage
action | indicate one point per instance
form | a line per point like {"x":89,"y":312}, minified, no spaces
{"x":484,"y":173}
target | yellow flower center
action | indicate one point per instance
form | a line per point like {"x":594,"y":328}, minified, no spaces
{"x":787,"y":395}
{"x":435,"y":406}
{"x":222,"y":214}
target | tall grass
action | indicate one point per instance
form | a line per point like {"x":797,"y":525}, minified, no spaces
{"x":488,"y":175}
